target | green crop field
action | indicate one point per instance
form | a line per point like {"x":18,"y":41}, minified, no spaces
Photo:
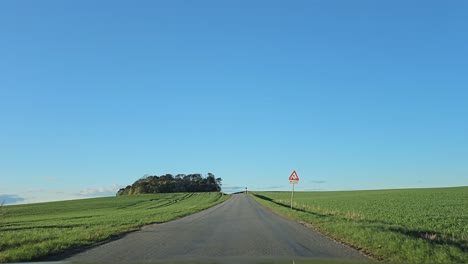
{"x":35,"y":231}
{"x":410,"y":226}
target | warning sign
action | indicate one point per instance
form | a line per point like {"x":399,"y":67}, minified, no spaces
{"x":293,"y":179}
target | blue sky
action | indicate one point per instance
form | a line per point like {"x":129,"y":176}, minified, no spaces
{"x":350,"y":94}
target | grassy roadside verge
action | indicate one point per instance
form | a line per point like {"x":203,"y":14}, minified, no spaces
{"x":35,"y":231}
{"x":409,"y":226}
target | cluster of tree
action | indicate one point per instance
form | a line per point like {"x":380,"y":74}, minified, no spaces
{"x":171,"y":184}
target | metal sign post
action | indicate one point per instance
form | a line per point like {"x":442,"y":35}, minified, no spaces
{"x":292,"y":195}
{"x":293,"y":179}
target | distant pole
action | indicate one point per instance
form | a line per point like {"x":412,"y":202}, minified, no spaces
{"x":292,"y":196}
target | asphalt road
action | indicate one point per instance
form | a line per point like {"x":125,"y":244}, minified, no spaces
{"x":238,"y":230}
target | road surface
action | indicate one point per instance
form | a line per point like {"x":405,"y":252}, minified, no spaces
{"x":238,"y":230}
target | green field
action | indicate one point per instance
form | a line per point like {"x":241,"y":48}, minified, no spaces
{"x":34,"y":231}
{"x":410,"y":226}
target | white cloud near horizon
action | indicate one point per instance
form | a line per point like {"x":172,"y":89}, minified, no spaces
{"x":51,"y":179}
{"x":100,"y":191}
{"x":318,"y":181}
{"x":272,"y":187}
{"x":8,"y":199}
{"x":45,"y":195}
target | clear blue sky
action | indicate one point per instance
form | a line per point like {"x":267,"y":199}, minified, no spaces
{"x":350,"y":94}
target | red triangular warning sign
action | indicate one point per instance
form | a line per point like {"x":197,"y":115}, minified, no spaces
{"x":294,"y":176}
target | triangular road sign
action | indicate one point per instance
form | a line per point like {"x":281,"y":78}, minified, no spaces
{"x":294,"y":176}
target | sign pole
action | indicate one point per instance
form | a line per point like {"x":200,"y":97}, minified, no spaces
{"x":292,"y":196}
{"x":293,"y":179}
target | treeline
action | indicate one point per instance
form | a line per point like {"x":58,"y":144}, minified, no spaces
{"x":171,"y":184}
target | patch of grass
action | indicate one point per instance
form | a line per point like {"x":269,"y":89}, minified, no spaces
{"x":34,"y":231}
{"x":410,"y":226}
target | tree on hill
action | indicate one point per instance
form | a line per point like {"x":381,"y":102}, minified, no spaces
{"x":170,"y":184}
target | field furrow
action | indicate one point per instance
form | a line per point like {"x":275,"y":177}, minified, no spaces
{"x":35,"y":231}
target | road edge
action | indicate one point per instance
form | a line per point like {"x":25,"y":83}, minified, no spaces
{"x":316,"y":229}
{"x":73,"y":251}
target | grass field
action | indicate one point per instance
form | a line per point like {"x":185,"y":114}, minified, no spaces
{"x":410,"y":226}
{"x":34,"y":231}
